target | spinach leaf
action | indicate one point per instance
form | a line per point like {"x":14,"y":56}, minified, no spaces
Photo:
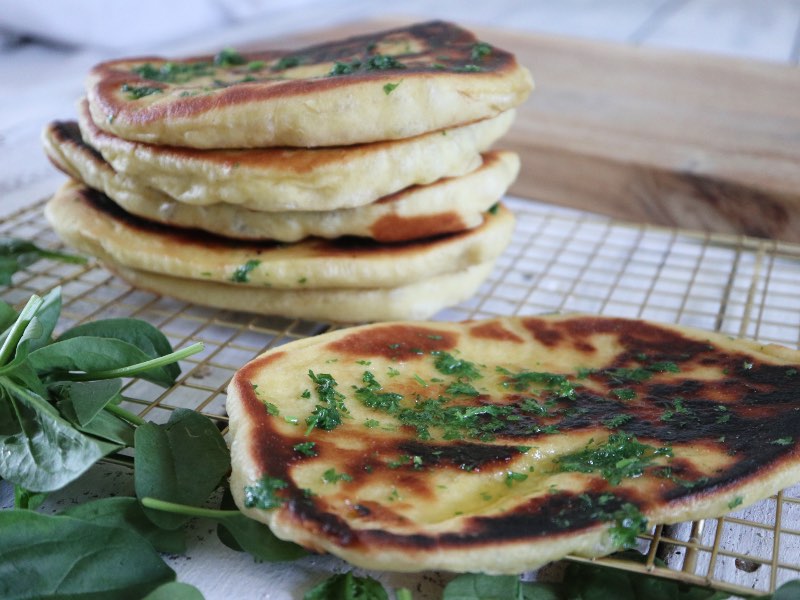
{"x":86,"y":399}
{"x":97,"y":356}
{"x":474,"y":586}
{"x":16,"y":254}
{"x":46,"y":556}
{"x":346,"y":586}
{"x":138,"y":333}
{"x":244,"y":534}
{"x":174,"y":590}
{"x":182,"y":461}
{"x":126,"y":512}
{"x":788,"y":591}
{"x":46,"y":452}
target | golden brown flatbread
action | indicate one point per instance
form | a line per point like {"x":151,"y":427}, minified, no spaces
{"x":500,"y":445}
{"x":446,"y":206}
{"x":384,"y":86}
{"x":280,"y":179}
{"x":92,"y":223}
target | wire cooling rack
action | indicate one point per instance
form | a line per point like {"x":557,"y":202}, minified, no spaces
{"x":558,"y":260}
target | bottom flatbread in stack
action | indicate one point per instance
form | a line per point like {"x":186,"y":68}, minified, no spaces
{"x":497,"y":446}
{"x":316,"y":279}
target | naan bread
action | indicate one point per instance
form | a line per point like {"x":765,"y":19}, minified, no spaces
{"x":390,"y":85}
{"x":90,"y":222}
{"x":449,"y":205}
{"x":418,"y":300}
{"x":278,"y":179}
{"x":500,"y":445}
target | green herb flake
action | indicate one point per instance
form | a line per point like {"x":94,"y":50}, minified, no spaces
{"x":461,"y":388}
{"x":365,"y":363}
{"x":327,"y":415}
{"x":371,"y":423}
{"x":616,"y":420}
{"x":242,"y":272}
{"x":306,"y":448}
{"x":420,"y":380}
{"x":256,"y":65}
{"x":264,"y":494}
{"x":470,"y":68}
{"x":629,"y":523}
{"x":331,"y":476}
{"x":784,"y":441}
{"x":624,"y":393}
{"x":447,"y":364}
{"x":286,"y":62}
{"x":494,"y":208}
{"x":480,"y":50}
{"x":228,"y":57}
{"x":512,"y":477}
{"x":620,"y":457}
{"x":737,"y":501}
{"x":306,"y":394}
{"x":370,"y":395}
{"x":392,"y":372}
{"x":135,"y":92}
{"x":272,"y":410}
{"x":390,"y":87}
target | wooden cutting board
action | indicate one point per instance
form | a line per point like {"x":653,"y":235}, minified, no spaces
{"x":648,"y":135}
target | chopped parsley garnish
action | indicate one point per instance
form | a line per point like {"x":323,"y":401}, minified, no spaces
{"x":331,"y":476}
{"x":616,"y":420}
{"x":256,"y":65}
{"x":377,"y":62}
{"x":390,"y":87}
{"x":447,"y":364}
{"x":174,"y":72}
{"x":272,"y":410}
{"x":737,"y":501}
{"x":228,"y":57}
{"x":620,"y":457}
{"x":371,"y":423}
{"x":468,"y":69}
{"x":328,"y":415}
{"x":624,"y":393}
{"x":371,"y":396}
{"x":307,"y":448}
{"x":135,"y":92}
{"x":629,"y":522}
{"x":461,"y":388}
{"x":480,"y":50}
{"x":264,"y":493}
{"x":524,"y":380}
{"x":286,"y":62}
{"x":512,"y":477}
{"x":784,"y":441}
{"x":494,"y":208}
{"x":242,"y":272}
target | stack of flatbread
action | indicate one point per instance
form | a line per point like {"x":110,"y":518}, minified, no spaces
{"x":349,"y":181}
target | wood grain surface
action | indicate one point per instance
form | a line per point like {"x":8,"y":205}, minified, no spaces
{"x":660,"y":136}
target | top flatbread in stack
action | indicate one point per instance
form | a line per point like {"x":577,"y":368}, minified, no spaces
{"x":385,"y":136}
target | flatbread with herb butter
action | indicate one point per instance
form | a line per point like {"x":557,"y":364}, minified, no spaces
{"x":451,"y":204}
{"x":279,"y":179}
{"x":92,"y":223}
{"x":417,"y":300}
{"x":500,"y":445}
{"x":384,"y":86}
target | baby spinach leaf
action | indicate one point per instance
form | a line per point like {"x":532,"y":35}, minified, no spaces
{"x":59,"y":556}
{"x":174,"y":590}
{"x":474,"y":586}
{"x":7,"y":316}
{"x":94,"y":355}
{"x":126,"y":512}
{"x":181,"y":461}
{"x":86,"y":399}
{"x":16,"y":254}
{"x":346,"y":586}
{"x":134,"y":331}
{"x":46,"y":452}
{"x":244,"y":534}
